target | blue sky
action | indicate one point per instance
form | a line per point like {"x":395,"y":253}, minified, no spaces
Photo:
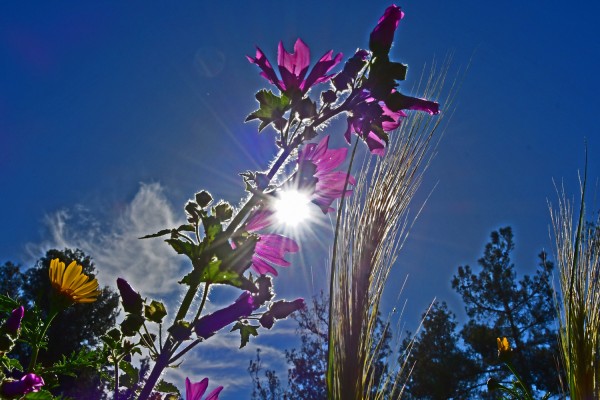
{"x":112,"y":115}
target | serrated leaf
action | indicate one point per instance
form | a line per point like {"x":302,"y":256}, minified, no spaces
{"x":183,"y":247}
{"x":245,"y":331}
{"x":166,"y":387}
{"x":10,"y":363}
{"x":157,"y":234}
{"x":186,"y":228}
{"x":41,"y":395}
{"x":131,"y":376}
{"x":272,"y":108}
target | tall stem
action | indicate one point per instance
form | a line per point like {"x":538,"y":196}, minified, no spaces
{"x":161,"y":363}
{"x":36,"y":347}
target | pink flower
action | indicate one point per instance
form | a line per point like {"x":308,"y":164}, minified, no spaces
{"x":28,"y":383}
{"x":194,"y":391}
{"x":320,"y":161}
{"x":382,"y":36}
{"x":371,"y":119}
{"x":293,"y":67}
{"x":270,"y":248}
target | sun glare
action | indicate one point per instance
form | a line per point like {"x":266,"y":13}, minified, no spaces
{"x":292,"y":207}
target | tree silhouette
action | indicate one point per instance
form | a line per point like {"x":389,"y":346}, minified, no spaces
{"x":77,"y":328}
{"x":523,"y":311}
{"x":441,"y":368}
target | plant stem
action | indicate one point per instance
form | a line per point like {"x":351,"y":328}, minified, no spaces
{"x":36,"y":347}
{"x":161,"y":363}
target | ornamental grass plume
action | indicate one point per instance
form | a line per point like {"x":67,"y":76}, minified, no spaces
{"x":371,"y":232}
{"x":578,"y":302}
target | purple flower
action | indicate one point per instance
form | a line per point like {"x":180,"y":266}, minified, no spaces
{"x":320,"y":161}
{"x":271,"y":247}
{"x":194,"y":391}
{"x":28,"y":383}
{"x":279,"y":310}
{"x":131,"y":300}
{"x":294,"y":66}
{"x":13,"y":323}
{"x":382,"y":36}
{"x":208,"y":325}
{"x":370,"y":119}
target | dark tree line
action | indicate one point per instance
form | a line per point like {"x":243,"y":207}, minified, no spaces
{"x":449,"y":361}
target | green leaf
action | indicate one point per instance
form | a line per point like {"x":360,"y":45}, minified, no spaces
{"x":131,"y":376}
{"x":186,"y":228}
{"x":272,"y":108}
{"x":9,"y":364}
{"x":245,"y":331}
{"x":131,"y":324}
{"x":157,"y":234}
{"x":155,"y":311}
{"x":166,"y":387}
{"x":41,"y":395}
{"x":184,"y":247}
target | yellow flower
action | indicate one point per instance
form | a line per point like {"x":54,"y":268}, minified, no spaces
{"x":71,"y":284}
{"x":504,"y":350}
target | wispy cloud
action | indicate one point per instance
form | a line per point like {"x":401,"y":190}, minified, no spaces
{"x":150,"y":265}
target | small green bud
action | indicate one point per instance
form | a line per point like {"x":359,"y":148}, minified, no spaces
{"x":203,"y":199}
{"x":155,"y":312}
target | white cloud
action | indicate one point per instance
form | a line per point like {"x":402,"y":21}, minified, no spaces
{"x":149,"y":265}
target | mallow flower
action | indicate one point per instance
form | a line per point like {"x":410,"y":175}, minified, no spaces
{"x":318,"y":161}
{"x":210,"y":324}
{"x":271,"y":248}
{"x":28,"y":383}
{"x":371,"y":119}
{"x":293,"y":68}
{"x":195,"y":391}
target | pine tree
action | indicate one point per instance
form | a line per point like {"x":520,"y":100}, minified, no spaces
{"x":499,"y":305}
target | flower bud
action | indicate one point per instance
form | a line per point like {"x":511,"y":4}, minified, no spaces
{"x":504,"y":350}
{"x":13,"y":323}
{"x":208,"y":325}
{"x":131,"y":300}
{"x":279,"y":310}
{"x":382,"y":36}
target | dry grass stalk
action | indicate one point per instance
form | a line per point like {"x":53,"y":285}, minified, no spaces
{"x":372,"y":230}
{"x":578,"y":305}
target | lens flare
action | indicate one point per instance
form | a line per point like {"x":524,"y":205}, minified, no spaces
{"x":292,"y":207}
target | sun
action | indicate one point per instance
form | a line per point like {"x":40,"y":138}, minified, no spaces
{"x":292,"y":207}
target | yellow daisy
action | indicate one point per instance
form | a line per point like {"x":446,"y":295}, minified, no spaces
{"x":71,"y":283}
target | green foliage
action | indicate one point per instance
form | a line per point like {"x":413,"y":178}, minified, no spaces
{"x":74,"y":335}
{"x":439,"y":367}
{"x":272,"y":108}
{"x":245,"y":331}
{"x":499,"y":305}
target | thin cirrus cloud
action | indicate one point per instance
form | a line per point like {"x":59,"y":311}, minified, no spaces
{"x":152,"y":268}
